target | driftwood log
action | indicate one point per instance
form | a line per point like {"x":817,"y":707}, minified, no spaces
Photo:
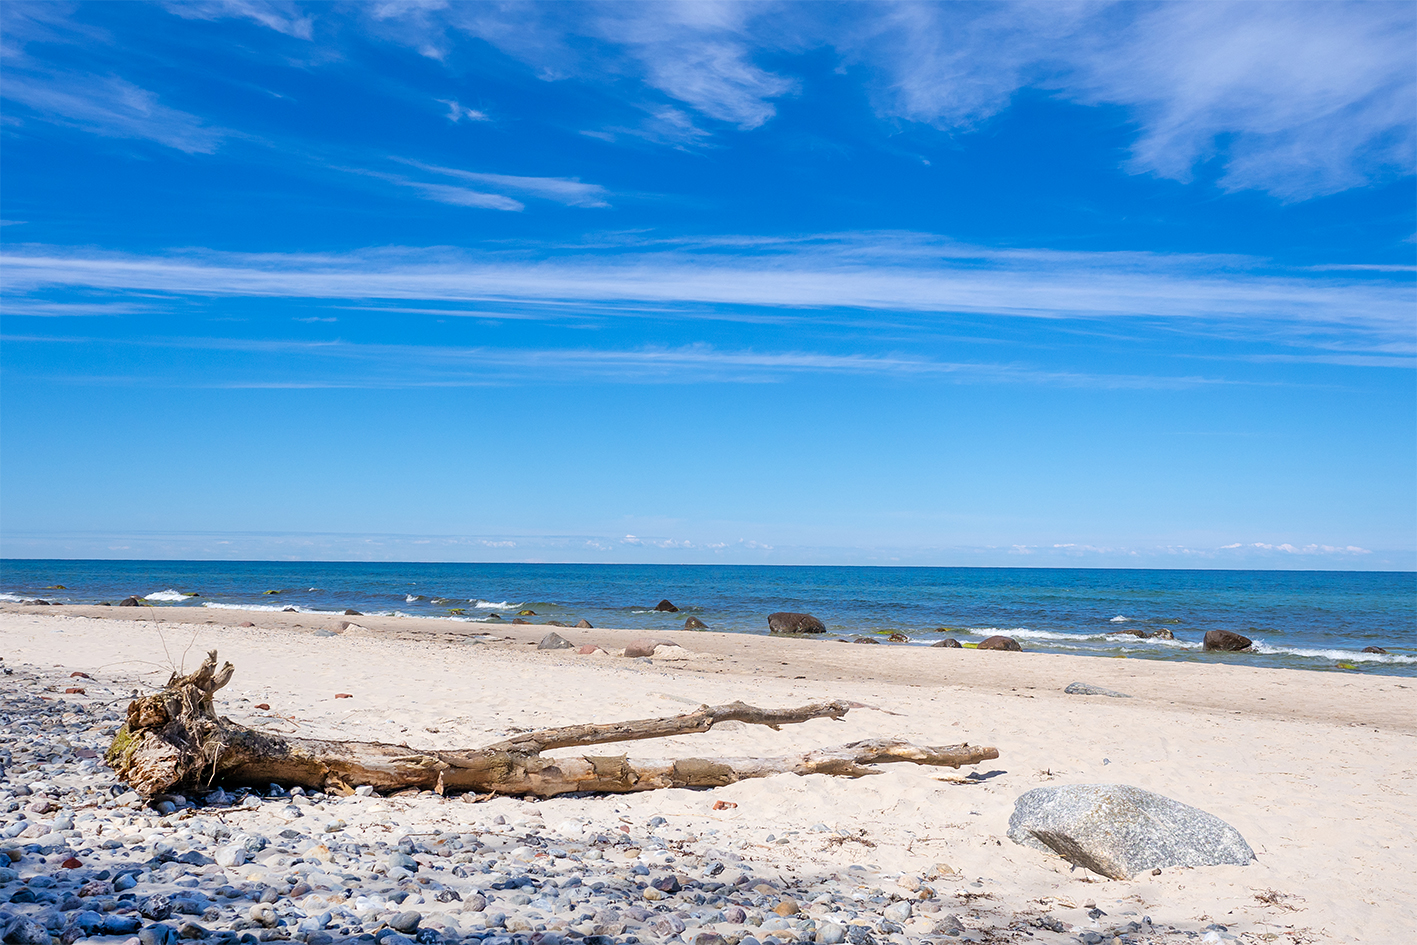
{"x":173,"y":742}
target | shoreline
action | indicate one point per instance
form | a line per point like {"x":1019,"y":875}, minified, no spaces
{"x":1315,"y":770}
{"x":1227,"y":686}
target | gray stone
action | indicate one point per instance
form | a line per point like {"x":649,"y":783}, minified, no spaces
{"x":406,"y":922}
{"x":898,"y":911}
{"x":1118,"y":830}
{"x":694,"y":623}
{"x":794,"y":623}
{"x":1084,"y":689}
{"x":22,"y":930}
{"x":121,"y":924}
{"x":830,"y":933}
{"x":1000,"y":643}
{"x":949,"y":643}
{"x":554,"y":641}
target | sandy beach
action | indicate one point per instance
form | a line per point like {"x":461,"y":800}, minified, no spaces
{"x":1318,"y":771}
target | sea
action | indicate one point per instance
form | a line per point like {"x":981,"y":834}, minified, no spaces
{"x":1314,"y":620}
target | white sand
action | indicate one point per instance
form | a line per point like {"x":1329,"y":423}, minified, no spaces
{"x":1317,"y":771}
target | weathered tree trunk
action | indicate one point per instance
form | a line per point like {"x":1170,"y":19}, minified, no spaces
{"x":173,"y":741}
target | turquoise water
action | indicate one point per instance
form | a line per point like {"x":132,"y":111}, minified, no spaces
{"x":1317,"y":620}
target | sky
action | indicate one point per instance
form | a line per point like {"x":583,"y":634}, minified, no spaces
{"x":1084,"y":285}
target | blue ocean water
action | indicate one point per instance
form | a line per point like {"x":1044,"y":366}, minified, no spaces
{"x":1318,"y":620}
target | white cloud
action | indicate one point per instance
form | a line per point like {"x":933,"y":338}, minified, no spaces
{"x":868,"y":272}
{"x":567,"y":190}
{"x":1298,"y":99}
{"x":457,"y":112}
{"x":112,"y":107}
{"x":443,"y":193}
{"x":283,"y":17}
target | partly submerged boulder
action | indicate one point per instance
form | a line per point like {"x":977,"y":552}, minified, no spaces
{"x":665,"y":607}
{"x":795,"y":623}
{"x":1226,"y":641}
{"x":1000,"y":643}
{"x":694,"y":623}
{"x":949,"y":643}
{"x":1118,"y":830}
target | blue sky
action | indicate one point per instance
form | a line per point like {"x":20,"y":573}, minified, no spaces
{"x":962,"y":284}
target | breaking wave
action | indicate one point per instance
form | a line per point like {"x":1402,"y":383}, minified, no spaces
{"x":167,"y":595}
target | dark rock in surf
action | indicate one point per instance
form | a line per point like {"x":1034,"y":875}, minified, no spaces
{"x":1163,"y":634}
{"x":898,"y":638}
{"x":352,"y":613}
{"x":1226,"y":641}
{"x":694,"y":623}
{"x":1131,"y":632}
{"x":554,"y":641}
{"x":520,"y":620}
{"x":1001,"y":643}
{"x":866,"y":640}
{"x":290,"y":610}
{"x":949,"y":643}
{"x":665,"y":607}
{"x":130,"y":602}
{"x":795,"y":623}
{"x":1375,"y":649}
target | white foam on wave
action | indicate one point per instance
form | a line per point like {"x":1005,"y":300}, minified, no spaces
{"x":1345,"y":656}
{"x":12,"y":598}
{"x":167,"y":595}
{"x":1024,"y":634}
{"x":493,"y":605}
{"x":1119,"y":619}
{"x":411,"y":598}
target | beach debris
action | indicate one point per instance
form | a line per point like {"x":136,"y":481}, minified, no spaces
{"x":785,"y":622}
{"x":1118,"y":830}
{"x":76,"y":674}
{"x":1226,"y":641}
{"x":554,"y":641}
{"x":1085,"y":689}
{"x":584,"y":625}
{"x":949,"y":643}
{"x":75,"y":691}
{"x":173,"y":741}
{"x":666,"y":607}
{"x":342,"y":695}
{"x":694,"y":623}
{"x":263,"y":706}
{"x":724,"y":805}
{"x":1000,"y":643}
{"x":246,"y":623}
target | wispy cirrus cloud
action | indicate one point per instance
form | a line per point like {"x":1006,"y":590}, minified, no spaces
{"x":289,"y":364}
{"x":570,"y":191}
{"x":894,"y":272}
{"x":112,"y":107}
{"x":279,"y":15}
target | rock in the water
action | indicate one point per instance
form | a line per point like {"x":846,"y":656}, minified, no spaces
{"x":130,"y":602}
{"x":1001,"y":643}
{"x":351,"y":612}
{"x":865,"y":640}
{"x":694,"y":623}
{"x":289,"y":610}
{"x":520,"y":620}
{"x":554,"y":641}
{"x":1227,"y":641}
{"x":584,"y":625}
{"x":949,"y":643}
{"x":795,"y":623}
{"x":1118,"y":830}
{"x":665,"y":607}
{"x":1375,"y":649}
{"x":898,"y":638}
{"x":1083,"y":689}
{"x":1163,"y":634}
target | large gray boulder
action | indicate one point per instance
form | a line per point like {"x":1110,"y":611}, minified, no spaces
{"x":794,"y":623}
{"x":1119,"y":830}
